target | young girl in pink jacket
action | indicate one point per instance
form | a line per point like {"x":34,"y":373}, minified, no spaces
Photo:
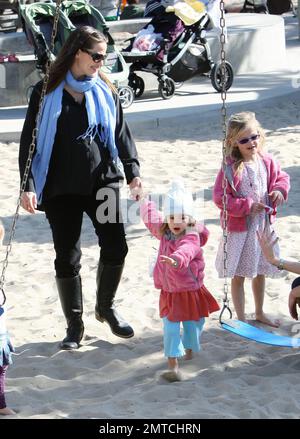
{"x":179,"y":273}
{"x":256,"y":185}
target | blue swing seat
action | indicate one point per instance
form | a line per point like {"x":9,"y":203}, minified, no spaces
{"x":245,"y":330}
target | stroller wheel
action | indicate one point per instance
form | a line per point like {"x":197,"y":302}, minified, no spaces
{"x":126,"y":96}
{"x":216,"y":76}
{"x":166,"y":88}
{"x":137,"y":84}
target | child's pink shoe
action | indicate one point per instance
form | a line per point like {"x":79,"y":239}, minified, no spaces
{"x":2,"y":58}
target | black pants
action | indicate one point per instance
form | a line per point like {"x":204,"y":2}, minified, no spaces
{"x":65,"y":214}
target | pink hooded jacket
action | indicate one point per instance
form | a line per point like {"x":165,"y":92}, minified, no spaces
{"x":186,"y":250}
{"x":238,"y":207}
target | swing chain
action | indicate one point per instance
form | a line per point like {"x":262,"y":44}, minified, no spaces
{"x":224,"y":197}
{"x":31,"y":151}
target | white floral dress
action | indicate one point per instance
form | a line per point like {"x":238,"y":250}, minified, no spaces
{"x":245,"y":257}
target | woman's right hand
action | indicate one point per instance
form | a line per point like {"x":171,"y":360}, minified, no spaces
{"x":267,"y":242}
{"x":28,"y":201}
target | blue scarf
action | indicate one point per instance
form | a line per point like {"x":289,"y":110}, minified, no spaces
{"x":101,"y":112}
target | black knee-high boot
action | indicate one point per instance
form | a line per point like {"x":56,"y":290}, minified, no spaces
{"x":108,"y":279}
{"x":70,"y":294}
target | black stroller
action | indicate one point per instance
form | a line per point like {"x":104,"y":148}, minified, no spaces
{"x":276,"y":7}
{"x":188,"y":56}
{"x":38,"y":18}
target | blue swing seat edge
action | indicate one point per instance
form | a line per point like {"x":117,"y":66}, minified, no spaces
{"x":251,"y":332}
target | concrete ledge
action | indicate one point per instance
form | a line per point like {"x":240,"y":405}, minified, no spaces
{"x":131,"y":26}
{"x":139,"y":122}
{"x":14,"y":42}
{"x":15,"y":79}
{"x":256,"y":43}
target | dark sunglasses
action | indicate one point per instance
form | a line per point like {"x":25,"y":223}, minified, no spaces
{"x":96,"y":56}
{"x":248,"y":139}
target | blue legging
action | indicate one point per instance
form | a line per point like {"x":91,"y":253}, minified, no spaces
{"x":174,"y":346}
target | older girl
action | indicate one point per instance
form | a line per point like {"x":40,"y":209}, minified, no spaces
{"x":256,"y":186}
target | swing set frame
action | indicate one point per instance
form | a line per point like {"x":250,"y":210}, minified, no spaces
{"x":235,"y":326}
{"x":240,"y":328}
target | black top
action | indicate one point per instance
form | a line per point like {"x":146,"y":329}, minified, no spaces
{"x":77,"y":166}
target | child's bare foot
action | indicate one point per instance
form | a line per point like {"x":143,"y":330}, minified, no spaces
{"x":172,"y":363}
{"x":6,"y":411}
{"x":188,"y":354}
{"x":172,"y":375}
{"x":241,"y":318}
{"x":262,"y":318}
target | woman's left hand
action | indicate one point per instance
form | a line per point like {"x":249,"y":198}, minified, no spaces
{"x":276,"y":198}
{"x":136,"y":190}
{"x":267,"y":242}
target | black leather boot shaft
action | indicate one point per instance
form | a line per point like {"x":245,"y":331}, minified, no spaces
{"x":108,"y":279}
{"x":70,"y":294}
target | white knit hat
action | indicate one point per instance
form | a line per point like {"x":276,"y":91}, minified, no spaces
{"x":178,"y":200}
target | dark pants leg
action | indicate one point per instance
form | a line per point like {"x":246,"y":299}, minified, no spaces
{"x":65,"y":215}
{"x":2,"y":386}
{"x":114,"y":248}
{"x":107,"y":220}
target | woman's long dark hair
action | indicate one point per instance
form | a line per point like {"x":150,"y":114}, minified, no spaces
{"x":84,"y":37}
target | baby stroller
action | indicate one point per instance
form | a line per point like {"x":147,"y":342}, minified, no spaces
{"x":37,"y":20}
{"x":188,"y":56}
{"x":276,"y":7}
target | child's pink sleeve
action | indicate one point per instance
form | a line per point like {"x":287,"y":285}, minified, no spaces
{"x":282,"y":180}
{"x":203,"y":234}
{"x":236,"y":206}
{"x":151,"y":217}
{"x":187,"y":251}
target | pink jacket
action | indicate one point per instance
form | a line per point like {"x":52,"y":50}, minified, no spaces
{"x":189,"y":274}
{"x":238,"y":207}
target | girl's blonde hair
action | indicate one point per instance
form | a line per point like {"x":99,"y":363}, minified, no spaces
{"x":236,"y":123}
{"x":165,"y":226}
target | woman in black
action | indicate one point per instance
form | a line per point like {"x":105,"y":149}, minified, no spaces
{"x":84,"y":148}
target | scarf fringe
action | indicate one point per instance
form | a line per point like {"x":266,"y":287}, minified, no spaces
{"x":91,"y":132}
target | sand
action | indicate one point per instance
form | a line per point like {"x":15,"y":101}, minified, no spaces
{"x":114,"y":378}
